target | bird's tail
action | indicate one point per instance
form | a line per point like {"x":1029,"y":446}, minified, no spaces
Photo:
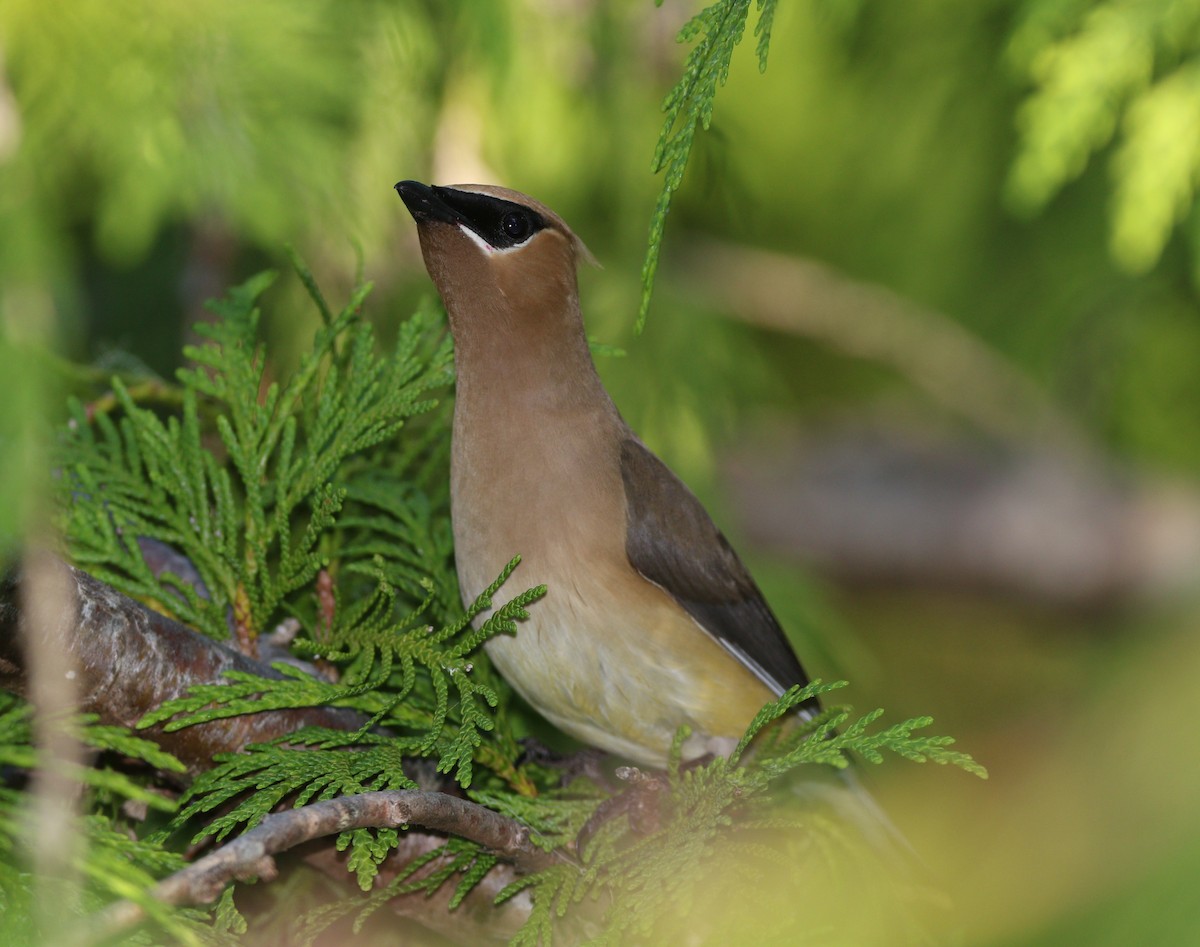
{"x":840,"y":794}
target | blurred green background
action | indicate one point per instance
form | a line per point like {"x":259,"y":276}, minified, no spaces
{"x":925,"y":337}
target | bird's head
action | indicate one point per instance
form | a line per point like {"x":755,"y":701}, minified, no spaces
{"x":493,"y":250}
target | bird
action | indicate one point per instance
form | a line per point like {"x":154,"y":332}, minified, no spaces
{"x":650,"y":621}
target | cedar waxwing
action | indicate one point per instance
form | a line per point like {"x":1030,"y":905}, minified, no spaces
{"x":650,"y":620}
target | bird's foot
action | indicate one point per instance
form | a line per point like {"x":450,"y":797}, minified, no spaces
{"x":586,"y":763}
{"x":641,"y":802}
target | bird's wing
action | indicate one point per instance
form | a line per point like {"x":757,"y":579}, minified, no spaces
{"x":672,"y":541}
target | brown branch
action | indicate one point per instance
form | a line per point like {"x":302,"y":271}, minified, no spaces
{"x":250,"y":855}
{"x":130,"y":660}
{"x":891,"y":505}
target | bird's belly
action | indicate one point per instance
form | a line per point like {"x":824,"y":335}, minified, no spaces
{"x":624,"y":670}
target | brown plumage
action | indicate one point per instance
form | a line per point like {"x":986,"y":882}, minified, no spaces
{"x":651,"y":620}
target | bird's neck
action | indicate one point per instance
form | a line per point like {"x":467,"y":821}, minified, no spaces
{"x":533,"y":463}
{"x":525,"y":370}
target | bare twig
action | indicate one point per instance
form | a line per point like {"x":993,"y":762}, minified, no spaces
{"x":250,"y":855}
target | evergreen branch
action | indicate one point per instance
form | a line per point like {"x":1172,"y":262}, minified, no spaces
{"x":252,"y":529}
{"x":274,"y":772}
{"x":382,"y":658}
{"x":392,"y":531}
{"x":248,"y":693}
{"x":554,"y":817}
{"x":310,"y":283}
{"x":762,"y":29}
{"x":463,"y":857}
{"x":120,"y":867}
{"x":368,"y":849}
{"x":774,"y":710}
{"x":711,"y":807}
{"x":822,"y":743}
{"x":111,"y":859}
{"x":1115,"y":77}
{"x":121,"y":741}
{"x":690,"y":103}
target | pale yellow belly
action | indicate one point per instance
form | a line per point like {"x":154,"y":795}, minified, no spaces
{"x":624,"y":677}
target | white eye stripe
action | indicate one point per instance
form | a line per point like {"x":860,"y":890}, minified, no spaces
{"x":487,"y":247}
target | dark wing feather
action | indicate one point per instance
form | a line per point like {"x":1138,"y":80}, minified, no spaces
{"x":672,"y":541}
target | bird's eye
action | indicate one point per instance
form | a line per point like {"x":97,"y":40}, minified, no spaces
{"x":516,"y":226}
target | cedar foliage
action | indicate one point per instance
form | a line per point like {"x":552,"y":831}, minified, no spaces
{"x":320,"y":501}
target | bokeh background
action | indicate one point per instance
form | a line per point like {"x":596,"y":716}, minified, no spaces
{"x":925,"y":336}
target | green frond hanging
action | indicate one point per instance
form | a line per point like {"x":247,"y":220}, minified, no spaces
{"x":717,"y":30}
